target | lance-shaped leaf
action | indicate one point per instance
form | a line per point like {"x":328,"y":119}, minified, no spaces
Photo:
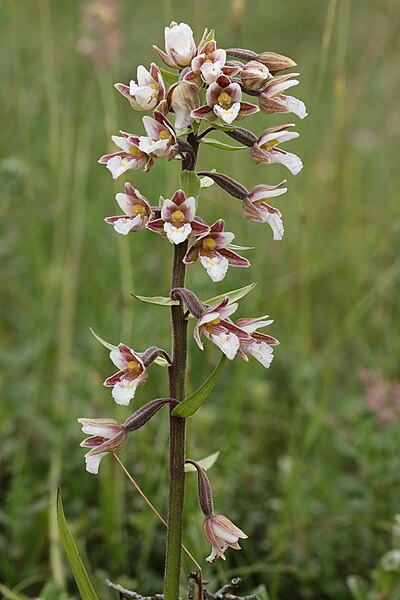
{"x":169,"y":78}
{"x":79,"y":572}
{"x":190,"y":183}
{"x":205,"y":463}
{"x":161,"y":362}
{"x":159,"y":300}
{"x":192,"y":403}
{"x":233,"y":296}
{"x":220,"y":145}
{"x":102,"y":342}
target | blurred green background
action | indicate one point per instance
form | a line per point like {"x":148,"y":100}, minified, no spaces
{"x":309,"y":464}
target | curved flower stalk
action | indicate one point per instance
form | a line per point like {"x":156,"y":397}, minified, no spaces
{"x":131,"y":157}
{"x":178,"y":220}
{"x":265,"y":149}
{"x":176,"y":128}
{"x":136,"y":208}
{"x":224,"y":102}
{"x":212,"y":249}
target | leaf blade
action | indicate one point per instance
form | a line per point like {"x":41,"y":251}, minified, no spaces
{"x":205,"y":463}
{"x":221,"y":145}
{"x":169,"y":78}
{"x":83,"y":582}
{"x":192,"y":403}
{"x":159,"y":300}
{"x":233,"y":296}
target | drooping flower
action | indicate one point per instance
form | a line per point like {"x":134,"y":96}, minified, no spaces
{"x":178,"y":220}
{"x":147,"y":92}
{"x":256,"y":208}
{"x":265,"y":149}
{"x":136,"y":208}
{"x":222,"y":534}
{"x":254,"y":76}
{"x":224,"y":102}
{"x":214,"y":253}
{"x":132,"y":372}
{"x":220,"y":330}
{"x":131,"y":157}
{"x":179,"y":45}
{"x":161,"y":140}
{"x":107,"y":435}
{"x":260,"y":345}
{"x":273,"y":100}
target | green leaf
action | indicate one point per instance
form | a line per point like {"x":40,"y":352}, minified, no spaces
{"x":358,"y":587}
{"x":161,"y":362}
{"x":235,"y":247}
{"x":102,"y":342}
{"x":190,"y":183}
{"x":10,"y":595}
{"x":220,"y":145}
{"x":233,"y":296}
{"x":78,"y":569}
{"x":222,"y":126}
{"x":159,"y":300}
{"x":169,"y":78}
{"x":190,"y":405}
{"x":210,"y":37}
{"x":206,"y":463}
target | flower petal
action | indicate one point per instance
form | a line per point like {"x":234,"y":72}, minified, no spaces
{"x":177,"y":235}
{"x":215,"y":264}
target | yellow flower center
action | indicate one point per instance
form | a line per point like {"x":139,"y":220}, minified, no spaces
{"x":214,"y":322}
{"x":177,"y":217}
{"x":138,"y":209}
{"x":224,"y":100}
{"x":208,"y":60}
{"x":261,"y":201}
{"x":209,"y":244}
{"x":134,"y":367}
{"x":136,"y":152}
{"x":164,"y":135}
{"x":270,"y":144}
{"x":153,"y":87}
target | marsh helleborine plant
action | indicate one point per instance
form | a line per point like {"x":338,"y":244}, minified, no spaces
{"x":202,"y":91}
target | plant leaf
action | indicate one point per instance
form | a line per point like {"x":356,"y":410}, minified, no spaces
{"x":85,"y":587}
{"x":159,"y":300}
{"x":102,"y":342}
{"x":192,"y":403}
{"x":169,"y":78}
{"x":10,"y":595}
{"x":190,"y":183}
{"x":236,"y":247}
{"x":206,"y":463}
{"x":223,"y":127}
{"x":161,"y":362}
{"x":210,"y":37}
{"x":233,"y":296}
{"x":220,"y":145}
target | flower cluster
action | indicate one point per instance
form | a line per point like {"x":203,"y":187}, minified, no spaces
{"x":205,"y":92}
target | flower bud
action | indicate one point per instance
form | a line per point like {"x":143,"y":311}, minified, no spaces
{"x":204,"y":490}
{"x":183,"y":97}
{"x":243,"y":136}
{"x":254,"y":76}
{"x":242,"y":54}
{"x":230,"y":185}
{"x":275,"y":62}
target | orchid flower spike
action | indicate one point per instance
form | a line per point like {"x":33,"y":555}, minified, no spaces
{"x":107,"y":435}
{"x":260,"y":345}
{"x":132,"y":372}
{"x":131,"y":157}
{"x":219,"y":531}
{"x":219,"y":329}
{"x":224,"y":102}
{"x":149,"y":90}
{"x":178,"y":221}
{"x":136,"y":208}
{"x":273,"y":100}
{"x":265,"y":148}
{"x":179,"y":45}
{"x":212,"y":249}
{"x":255,"y":207}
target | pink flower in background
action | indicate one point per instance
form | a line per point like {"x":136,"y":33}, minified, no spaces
{"x":177,"y":220}
{"x":213,"y":252}
{"x":147,"y":92}
{"x":160,"y":141}
{"x":101,"y":37}
{"x":136,"y":208}
{"x":382,"y":396}
{"x":107,"y":435}
{"x":265,"y":149}
{"x":224,"y":101}
{"x":256,"y":208}
{"x":131,"y":157}
{"x":273,"y":100}
{"x":179,"y":45}
{"x":132,"y":372}
{"x":260,"y":344}
{"x":216,"y":326}
{"x":222,"y":534}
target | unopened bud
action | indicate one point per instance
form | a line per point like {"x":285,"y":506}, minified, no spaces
{"x":275,"y":62}
{"x":254,"y":76}
{"x":183,"y":98}
{"x":204,"y":489}
{"x":230,"y":185}
{"x":243,"y":136}
{"x":144,"y":413}
{"x":242,"y":54}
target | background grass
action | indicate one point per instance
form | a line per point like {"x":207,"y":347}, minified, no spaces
{"x":305,"y":469}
